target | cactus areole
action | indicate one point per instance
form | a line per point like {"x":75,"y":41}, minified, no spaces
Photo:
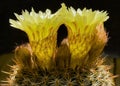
{"x":64,"y":48}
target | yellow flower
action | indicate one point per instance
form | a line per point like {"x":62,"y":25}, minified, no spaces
{"x":86,"y":35}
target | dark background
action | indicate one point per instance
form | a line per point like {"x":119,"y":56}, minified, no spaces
{"x":10,"y":38}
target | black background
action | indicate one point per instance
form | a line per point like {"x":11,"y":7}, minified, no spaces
{"x":10,"y":38}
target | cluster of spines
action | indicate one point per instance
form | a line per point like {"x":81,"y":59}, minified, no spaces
{"x":28,"y":72}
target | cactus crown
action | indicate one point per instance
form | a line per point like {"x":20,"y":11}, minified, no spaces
{"x":64,"y":49}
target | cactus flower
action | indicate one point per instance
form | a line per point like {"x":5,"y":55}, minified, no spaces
{"x":86,"y":34}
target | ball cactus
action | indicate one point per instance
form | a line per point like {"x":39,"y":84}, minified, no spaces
{"x":74,"y":60}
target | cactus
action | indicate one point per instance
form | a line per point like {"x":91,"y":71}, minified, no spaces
{"x":48,"y":60}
